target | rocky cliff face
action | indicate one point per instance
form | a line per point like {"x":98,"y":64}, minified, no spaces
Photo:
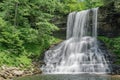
{"x":109,"y":19}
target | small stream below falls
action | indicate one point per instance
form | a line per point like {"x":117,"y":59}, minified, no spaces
{"x":69,"y":77}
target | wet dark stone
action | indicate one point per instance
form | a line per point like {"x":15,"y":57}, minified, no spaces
{"x":109,"y":19}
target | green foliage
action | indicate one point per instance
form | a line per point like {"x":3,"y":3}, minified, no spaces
{"x":93,"y":3}
{"x":78,"y":5}
{"x":106,"y":2}
{"x":112,"y":44}
{"x":24,"y":60}
{"x":25,"y":30}
{"x":73,"y":5}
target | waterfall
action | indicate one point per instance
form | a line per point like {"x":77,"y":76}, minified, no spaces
{"x":79,"y":53}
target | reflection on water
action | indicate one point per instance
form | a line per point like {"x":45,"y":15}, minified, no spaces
{"x":69,"y":77}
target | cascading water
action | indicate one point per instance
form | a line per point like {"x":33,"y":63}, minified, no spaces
{"x":80,"y":52}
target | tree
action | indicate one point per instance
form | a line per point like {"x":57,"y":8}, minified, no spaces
{"x":26,"y":28}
